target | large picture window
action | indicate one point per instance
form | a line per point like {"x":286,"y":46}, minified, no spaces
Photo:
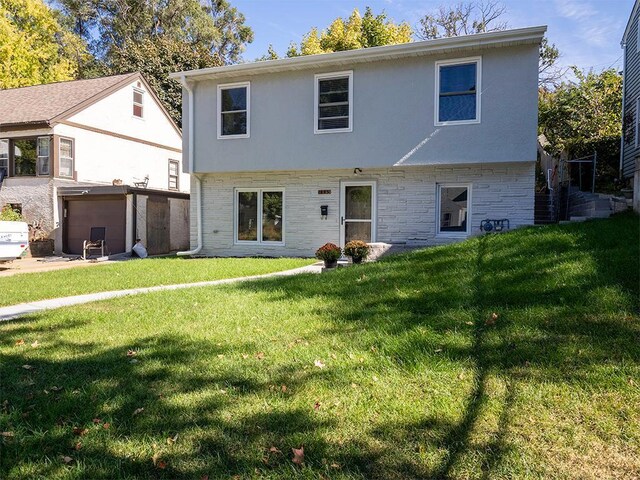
{"x":457,"y":91}
{"x":453,"y":210}
{"x":334,"y":102}
{"x":233,"y":110}
{"x":260,"y":215}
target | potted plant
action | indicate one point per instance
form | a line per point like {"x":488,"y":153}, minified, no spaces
{"x":40,"y":245}
{"x":330,"y":253}
{"x":357,"y":250}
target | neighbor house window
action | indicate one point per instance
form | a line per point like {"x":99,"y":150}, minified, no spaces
{"x":453,"y":209}
{"x":43,"y":155}
{"x":66,"y":157}
{"x":4,"y":157}
{"x":233,"y":110}
{"x":637,"y":122}
{"x":457,"y":91}
{"x":260,"y":215}
{"x":334,"y":102}
{"x":174,"y":175}
{"x":138,"y":103}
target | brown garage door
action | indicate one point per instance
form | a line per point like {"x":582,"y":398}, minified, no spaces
{"x":81,"y":215}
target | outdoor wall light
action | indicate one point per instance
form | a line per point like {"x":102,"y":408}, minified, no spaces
{"x":357,"y":171}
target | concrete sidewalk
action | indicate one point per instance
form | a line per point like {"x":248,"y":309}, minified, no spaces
{"x":16,"y":311}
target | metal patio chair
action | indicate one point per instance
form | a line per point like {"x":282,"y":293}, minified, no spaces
{"x":97,"y":241}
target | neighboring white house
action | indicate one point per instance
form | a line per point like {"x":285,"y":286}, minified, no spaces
{"x":405,"y":144}
{"x":90,"y":153}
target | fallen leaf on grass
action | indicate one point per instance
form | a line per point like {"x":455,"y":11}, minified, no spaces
{"x":131,"y":353}
{"x":97,"y":420}
{"x":67,"y":460}
{"x":106,"y":425}
{"x":260,"y":355}
{"x":283,"y":388}
{"x":20,"y":342}
{"x":77,"y":446}
{"x":245,"y":356}
{"x":469,"y":323}
{"x":334,"y":465}
{"x":492,"y":319}
{"x":56,"y":389}
{"x":274,"y":450}
{"x":316,"y":406}
{"x":35,"y":344}
{"x":80,"y":431}
{"x":220,"y":355}
{"x":161,"y":464}
{"x":28,"y":367}
{"x":138,"y":411}
{"x":298,"y":455}
{"x":319,"y":364}
{"x":6,"y":434}
{"x":172,"y":440}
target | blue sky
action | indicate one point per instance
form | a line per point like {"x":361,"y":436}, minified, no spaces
{"x":587,"y":32}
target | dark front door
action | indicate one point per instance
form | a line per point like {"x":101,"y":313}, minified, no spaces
{"x":157,"y":225}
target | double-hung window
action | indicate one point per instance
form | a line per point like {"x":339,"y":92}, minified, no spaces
{"x":174,"y":174}
{"x":333,"y":102}
{"x":43,"y":156}
{"x":4,"y":157}
{"x":453,"y":210}
{"x":233,"y":110}
{"x":66,"y":158}
{"x":259,"y":216}
{"x":138,"y":103}
{"x":458,"y":91}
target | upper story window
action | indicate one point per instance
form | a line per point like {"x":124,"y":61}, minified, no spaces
{"x":457,"y":91}
{"x":334,"y":102}
{"x":138,"y":103}
{"x":66,"y":157}
{"x":42,"y":150}
{"x":233,"y":110}
{"x":174,"y":175}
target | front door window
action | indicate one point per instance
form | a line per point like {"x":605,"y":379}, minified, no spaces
{"x":358,"y":208}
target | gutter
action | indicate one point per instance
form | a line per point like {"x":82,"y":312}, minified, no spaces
{"x":191,"y":148}
{"x":624,"y":74}
{"x":522,"y":36}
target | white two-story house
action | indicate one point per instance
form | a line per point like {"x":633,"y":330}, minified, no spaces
{"x":407,"y":144}
{"x":94,"y":153}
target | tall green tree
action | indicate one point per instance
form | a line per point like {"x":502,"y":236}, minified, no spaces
{"x":354,"y":32}
{"x":35,"y":47}
{"x":158,"y":37}
{"x":581,"y":117}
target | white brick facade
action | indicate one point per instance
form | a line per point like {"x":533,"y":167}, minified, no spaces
{"x":406,"y":204}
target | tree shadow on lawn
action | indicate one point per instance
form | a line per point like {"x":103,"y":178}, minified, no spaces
{"x":435,"y":306}
{"x":567,"y":306}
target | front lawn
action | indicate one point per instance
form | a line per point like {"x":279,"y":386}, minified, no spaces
{"x":28,"y":287}
{"x":506,"y":356}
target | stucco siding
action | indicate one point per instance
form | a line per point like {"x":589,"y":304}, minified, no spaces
{"x":102,"y":158}
{"x":35,"y":195}
{"x":393,"y":118}
{"x":406,"y":204}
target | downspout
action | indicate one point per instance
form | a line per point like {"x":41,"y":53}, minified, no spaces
{"x":624,"y":74}
{"x":191,"y":146}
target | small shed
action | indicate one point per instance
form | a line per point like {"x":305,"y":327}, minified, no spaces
{"x":159,"y":218}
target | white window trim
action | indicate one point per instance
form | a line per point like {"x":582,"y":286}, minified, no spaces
{"x":259,"y":241}
{"x":38,"y":157}
{"x":439,"y":188}
{"x":227,"y":86}
{"x":316,"y":101}
{"x":177,"y":175}
{"x":448,"y":63}
{"x":73,"y":157}
{"x":141,"y":92}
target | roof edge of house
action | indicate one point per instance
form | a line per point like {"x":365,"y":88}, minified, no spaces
{"x":520,"y":36}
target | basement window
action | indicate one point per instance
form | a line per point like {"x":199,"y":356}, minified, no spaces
{"x":453,"y":210}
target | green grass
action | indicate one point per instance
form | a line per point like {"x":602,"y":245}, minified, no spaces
{"x":418,"y":381}
{"x":28,"y":287}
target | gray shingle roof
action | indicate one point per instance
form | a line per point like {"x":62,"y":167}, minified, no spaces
{"x":42,"y":103}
